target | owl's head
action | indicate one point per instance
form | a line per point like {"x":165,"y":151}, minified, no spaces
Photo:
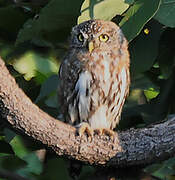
{"x":96,"y":34}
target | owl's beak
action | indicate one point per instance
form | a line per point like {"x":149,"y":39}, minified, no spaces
{"x":90,"y":46}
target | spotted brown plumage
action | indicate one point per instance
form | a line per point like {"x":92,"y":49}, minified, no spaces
{"x":94,"y":77}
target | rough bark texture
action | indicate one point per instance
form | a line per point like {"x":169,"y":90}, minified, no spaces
{"x":132,"y":147}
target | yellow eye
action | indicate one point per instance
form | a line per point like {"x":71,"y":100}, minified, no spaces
{"x":80,"y":37}
{"x":103,"y":37}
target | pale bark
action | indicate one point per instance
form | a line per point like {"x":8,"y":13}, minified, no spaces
{"x":131,"y":147}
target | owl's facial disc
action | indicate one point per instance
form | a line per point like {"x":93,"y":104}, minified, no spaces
{"x":103,"y":38}
{"x":96,"y":34}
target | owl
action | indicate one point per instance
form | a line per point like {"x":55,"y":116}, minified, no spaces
{"x":94,"y":77}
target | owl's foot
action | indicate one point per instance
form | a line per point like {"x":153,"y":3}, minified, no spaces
{"x":108,"y":132}
{"x":84,"y":128}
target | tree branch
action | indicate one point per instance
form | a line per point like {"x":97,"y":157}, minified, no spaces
{"x":132,"y":147}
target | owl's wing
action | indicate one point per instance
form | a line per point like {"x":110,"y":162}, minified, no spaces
{"x":63,"y":91}
{"x":80,"y":107}
{"x":74,"y":90}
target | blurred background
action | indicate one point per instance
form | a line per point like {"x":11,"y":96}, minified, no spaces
{"x":34,"y":36}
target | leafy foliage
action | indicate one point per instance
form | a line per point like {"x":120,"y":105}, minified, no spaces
{"x":166,"y":13}
{"x":137,"y":16}
{"x":93,"y":9}
{"x":33,"y":40}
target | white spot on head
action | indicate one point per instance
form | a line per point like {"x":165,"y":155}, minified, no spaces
{"x":84,"y":34}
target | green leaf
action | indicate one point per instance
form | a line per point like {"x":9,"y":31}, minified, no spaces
{"x":34,"y":165}
{"x":52,"y":18}
{"x":31,"y":63}
{"x":162,"y":170}
{"x":48,"y":93}
{"x":137,"y":16}
{"x":19,"y":146}
{"x":48,"y":87}
{"x":9,"y":134}
{"x":144,"y":48}
{"x":52,"y":101}
{"x":166,"y":13}
{"x":152,"y":168}
{"x":11,"y":163}
{"x":40,"y":77}
{"x":3,"y":155}
{"x":170,"y":162}
{"x":151,"y":93}
{"x":106,"y":9}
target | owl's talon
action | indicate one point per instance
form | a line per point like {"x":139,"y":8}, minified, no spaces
{"x":110,"y":133}
{"x":99,"y":131}
{"x":85,"y":128}
{"x":107,"y":132}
